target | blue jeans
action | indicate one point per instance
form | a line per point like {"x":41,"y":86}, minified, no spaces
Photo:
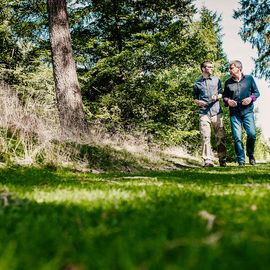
{"x":248,"y":122}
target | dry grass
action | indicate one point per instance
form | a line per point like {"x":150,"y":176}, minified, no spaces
{"x":30,"y":134}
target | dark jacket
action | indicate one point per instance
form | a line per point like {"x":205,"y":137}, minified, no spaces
{"x":204,"y":89}
{"x":238,"y":91}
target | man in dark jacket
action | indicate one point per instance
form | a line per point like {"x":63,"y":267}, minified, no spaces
{"x":207,"y":92}
{"x":240,"y":92}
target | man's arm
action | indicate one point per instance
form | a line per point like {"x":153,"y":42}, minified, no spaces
{"x":218,"y":94}
{"x":196,"y":96}
{"x":196,"y":92}
{"x":219,"y":87}
{"x":254,"y":90}
{"x":226,"y":97}
{"x":254,"y":93}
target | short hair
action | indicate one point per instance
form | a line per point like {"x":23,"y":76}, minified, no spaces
{"x":237,"y":63}
{"x":203,"y":64}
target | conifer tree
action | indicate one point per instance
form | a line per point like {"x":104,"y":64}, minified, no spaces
{"x":255,"y":16}
{"x":68,"y":93}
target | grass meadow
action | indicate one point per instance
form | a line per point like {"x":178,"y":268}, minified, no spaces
{"x":191,"y":218}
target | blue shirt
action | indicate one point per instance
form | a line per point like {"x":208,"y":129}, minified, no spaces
{"x":238,"y":91}
{"x":204,"y":89}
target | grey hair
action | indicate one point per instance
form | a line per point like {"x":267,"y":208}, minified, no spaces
{"x":237,"y":63}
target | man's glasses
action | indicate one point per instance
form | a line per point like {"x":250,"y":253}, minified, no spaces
{"x":209,"y":67}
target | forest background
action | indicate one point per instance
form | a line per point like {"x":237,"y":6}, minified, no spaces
{"x":136,"y":63}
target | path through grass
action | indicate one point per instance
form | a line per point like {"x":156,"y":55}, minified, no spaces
{"x":215,"y":218}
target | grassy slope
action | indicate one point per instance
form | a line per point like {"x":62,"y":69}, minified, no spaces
{"x":216,"y":218}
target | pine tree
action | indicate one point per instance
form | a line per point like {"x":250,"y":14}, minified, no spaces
{"x":68,"y":93}
{"x":255,"y":16}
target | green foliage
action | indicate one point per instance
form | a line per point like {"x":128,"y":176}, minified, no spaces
{"x":186,"y":219}
{"x":29,"y":21}
{"x":147,"y":85}
{"x":158,"y":104}
{"x":209,"y":31}
{"x":137,"y":61}
{"x":9,"y":50}
{"x":255,"y":16}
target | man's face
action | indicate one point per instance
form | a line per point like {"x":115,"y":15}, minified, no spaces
{"x":208,"y":68}
{"x":234,"y":71}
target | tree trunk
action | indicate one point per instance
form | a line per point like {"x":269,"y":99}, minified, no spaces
{"x":68,"y":94}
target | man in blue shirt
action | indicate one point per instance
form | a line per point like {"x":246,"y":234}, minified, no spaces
{"x":240,"y":92}
{"x":207,"y":92}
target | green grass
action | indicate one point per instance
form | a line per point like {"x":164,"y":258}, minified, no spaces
{"x":152,"y":220}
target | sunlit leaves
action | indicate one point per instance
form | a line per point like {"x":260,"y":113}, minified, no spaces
{"x":255,"y":17}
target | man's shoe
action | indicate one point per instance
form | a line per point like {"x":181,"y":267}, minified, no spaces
{"x":207,"y":165}
{"x":252,"y":161}
{"x":222,"y":163}
{"x":241,"y":164}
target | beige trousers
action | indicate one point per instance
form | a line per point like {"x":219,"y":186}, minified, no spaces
{"x":216,"y":122}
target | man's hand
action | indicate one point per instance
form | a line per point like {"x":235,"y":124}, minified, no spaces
{"x":216,"y":97}
{"x":232,"y":103}
{"x":200,"y":103}
{"x":246,"y":101}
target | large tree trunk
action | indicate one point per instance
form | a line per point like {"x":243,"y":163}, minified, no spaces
{"x":68,"y":94}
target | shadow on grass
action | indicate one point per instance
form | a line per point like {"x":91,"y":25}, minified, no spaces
{"x":159,"y":231}
{"x":50,"y":236}
{"x":163,"y":233}
{"x":29,"y":176}
{"x":108,"y":158}
{"x":230,"y":174}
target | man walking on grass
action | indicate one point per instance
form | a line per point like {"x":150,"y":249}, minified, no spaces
{"x":207,"y":92}
{"x":240,"y":92}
